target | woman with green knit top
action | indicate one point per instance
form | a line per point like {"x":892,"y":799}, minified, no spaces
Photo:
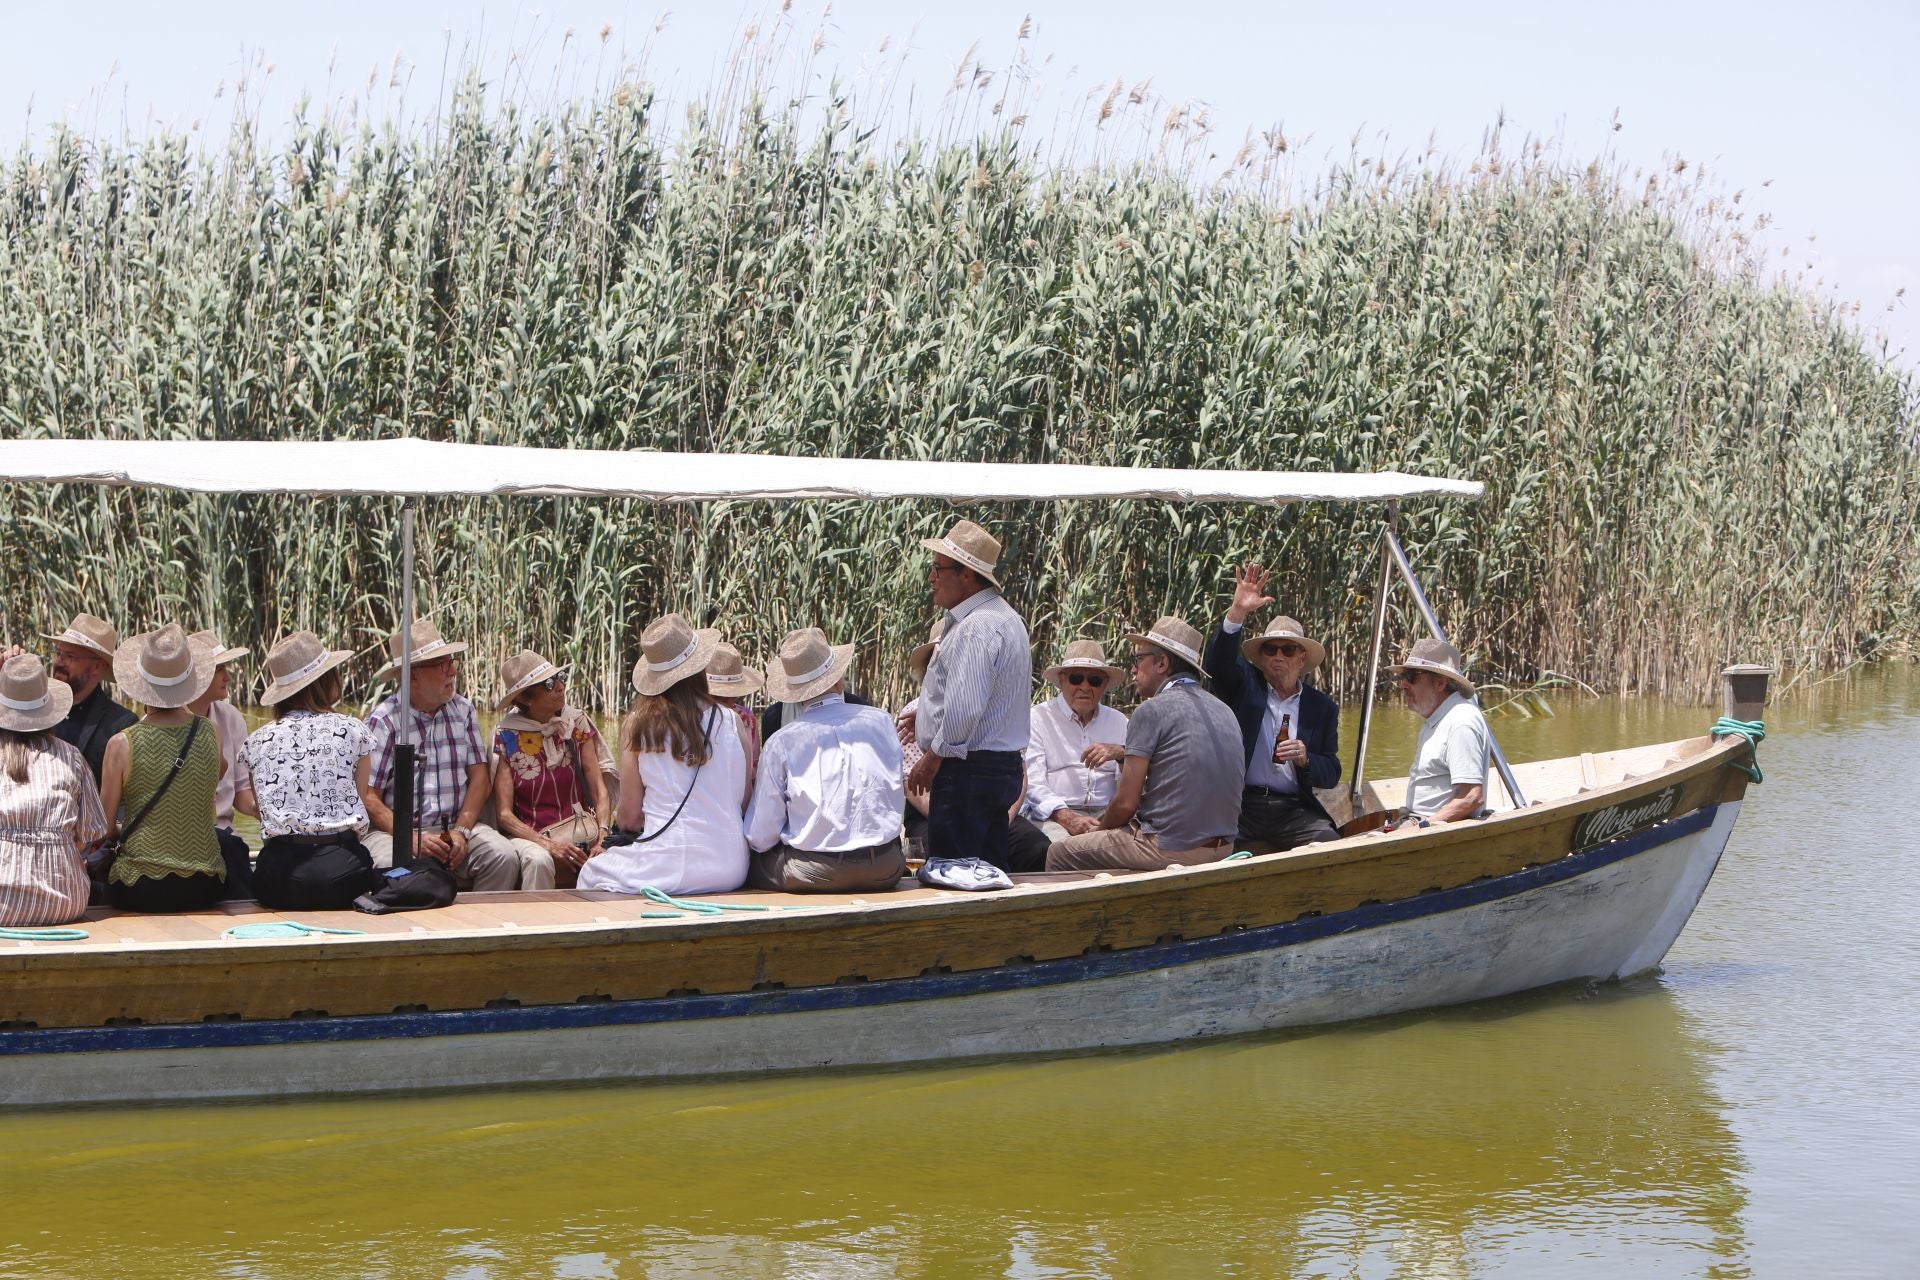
{"x":158,"y":779}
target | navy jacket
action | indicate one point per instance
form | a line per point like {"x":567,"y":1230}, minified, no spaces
{"x":1243,"y":686}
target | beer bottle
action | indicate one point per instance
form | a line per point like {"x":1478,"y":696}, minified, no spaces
{"x":1281,"y":735}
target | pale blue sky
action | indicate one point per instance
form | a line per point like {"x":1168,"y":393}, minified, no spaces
{"x":1818,"y":99}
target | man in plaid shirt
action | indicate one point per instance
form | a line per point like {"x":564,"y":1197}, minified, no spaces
{"x":450,"y":785}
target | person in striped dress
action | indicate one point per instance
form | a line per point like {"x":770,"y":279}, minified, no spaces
{"x":49,"y":806}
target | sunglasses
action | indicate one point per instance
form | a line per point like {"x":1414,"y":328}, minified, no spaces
{"x":552,"y":682}
{"x":1407,"y":677}
{"x":1082,"y":677}
{"x":1287,"y":647}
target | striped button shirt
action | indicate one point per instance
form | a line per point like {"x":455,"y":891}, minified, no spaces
{"x":43,"y":821}
{"x":446,"y":744}
{"x":975,"y":696}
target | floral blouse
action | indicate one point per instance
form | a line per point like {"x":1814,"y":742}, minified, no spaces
{"x":545,"y":782}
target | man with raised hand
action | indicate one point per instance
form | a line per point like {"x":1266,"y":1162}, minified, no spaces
{"x":1289,"y":730}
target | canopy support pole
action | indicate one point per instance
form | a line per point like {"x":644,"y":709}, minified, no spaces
{"x":403,"y":722}
{"x":1373,"y":662}
{"x":1440,"y":633}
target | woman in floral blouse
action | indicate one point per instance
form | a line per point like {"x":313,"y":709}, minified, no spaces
{"x":549,"y":774}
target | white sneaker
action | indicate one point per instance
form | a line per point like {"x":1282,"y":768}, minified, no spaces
{"x":974,"y":875}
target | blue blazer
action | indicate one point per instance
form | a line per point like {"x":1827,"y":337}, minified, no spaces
{"x":1243,"y":686}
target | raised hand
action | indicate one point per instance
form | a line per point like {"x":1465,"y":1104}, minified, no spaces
{"x":1249,"y":593}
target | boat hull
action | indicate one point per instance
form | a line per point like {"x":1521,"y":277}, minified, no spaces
{"x":1609,"y":912}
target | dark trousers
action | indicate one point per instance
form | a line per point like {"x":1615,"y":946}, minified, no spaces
{"x":300,"y":875}
{"x":1281,"y":820}
{"x":167,"y":893}
{"x":785,"y":869}
{"x":239,"y":859}
{"x":1026,"y":845}
{"x":967,"y":806}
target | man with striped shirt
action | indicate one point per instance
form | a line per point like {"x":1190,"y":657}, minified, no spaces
{"x":972,"y":720}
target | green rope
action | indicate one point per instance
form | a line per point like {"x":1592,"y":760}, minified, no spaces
{"x":694,"y":905}
{"x":1752,"y":730}
{"x":1236,"y":857}
{"x":44,"y":935}
{"x":282,"y":929}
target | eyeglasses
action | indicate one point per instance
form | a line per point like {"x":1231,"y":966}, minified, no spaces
{"x":1139,"y":658}
{"x":1407,"y":677}
{"x":1287,"y":647}
{"x":1082,"y":677}
{"x":944,"y":568}
{"x":552,"y":682}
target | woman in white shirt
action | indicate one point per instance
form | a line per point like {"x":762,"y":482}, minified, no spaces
{"x":683,"y":776}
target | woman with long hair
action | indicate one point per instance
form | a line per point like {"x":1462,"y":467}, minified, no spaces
{"x":49,"y":807}
{"x":683,"y":776}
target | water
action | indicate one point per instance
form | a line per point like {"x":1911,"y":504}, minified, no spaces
{"x":1752,"y":1111}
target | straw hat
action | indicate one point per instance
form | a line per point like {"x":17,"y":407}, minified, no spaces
{"x":212,"y":643}
{"x":295,"y":662}
{"x":728,"y":676}
{"x":923,"y":653}
{"x":161,"y":669}
{"x":1173,"y":635}
{"x":807,"y":666}
{"x":971,"y":545}
{"x":1284,"y":628}
{"x":1083,"y":655}
{"x":670,"y":651}
{"x":29,"y":702}
{"x":88,"y":632}
{"x":428,"y":645}
{"x":521,"y":672}
{"x":1438,"y":657}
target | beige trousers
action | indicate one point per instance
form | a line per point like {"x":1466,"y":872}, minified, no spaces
{"x":536,"y":864}
{"x":492,"y":863}
{"x":1127,"y":849}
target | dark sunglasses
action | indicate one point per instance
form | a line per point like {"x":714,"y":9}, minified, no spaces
{"x":1407,"y":677}
{"x":1082,"y":677}
{"x":552,"y":682}
{"x":1287,"y":647}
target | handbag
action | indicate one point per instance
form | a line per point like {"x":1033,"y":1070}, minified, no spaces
{"x":426,"y":884}
{"x":102,"y":859}
{"x":580,"y":827}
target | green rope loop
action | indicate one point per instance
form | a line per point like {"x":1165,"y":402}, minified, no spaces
{"x":282,"y":929}
{"x":1236,"y":857}
{"x":1752,"y":730}
{"x":694,"y":905}
{"x":43,"y":935}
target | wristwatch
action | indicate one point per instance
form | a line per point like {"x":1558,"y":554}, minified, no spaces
{"x":464,"y":832}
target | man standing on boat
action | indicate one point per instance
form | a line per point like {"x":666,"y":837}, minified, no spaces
{"x":452,"y":763}
{"x":1290,"y":730}
{"x":972,"y":724}
{"x":1448,"y":781}
{"x":1179,"y":793}
{"x":82,"y":658}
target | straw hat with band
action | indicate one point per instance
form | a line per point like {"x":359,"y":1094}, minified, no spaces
{"x":211,"y":641}
{"x":807,"y":666}
{"x":728,"y":675}
{"x":162,"y":669}
{"x":923,"y":653}
{"x":295,"y":662}
{"x":428,"y":646}
{"x":1284,"y":628}
{"x":88,"y":632}
{"x":671,"y":650}
{"x":1173,"y":635}
{"x":521,"y":672}
{"x":1083,"y":655}
{"x":970,"y":545}
{"x":29,"y":702}
{"x":1438,"y":657}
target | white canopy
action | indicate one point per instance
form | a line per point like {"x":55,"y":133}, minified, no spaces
{"x":429,"y":468}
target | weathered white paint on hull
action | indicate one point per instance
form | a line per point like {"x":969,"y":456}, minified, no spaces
{"x":1615,"y":920}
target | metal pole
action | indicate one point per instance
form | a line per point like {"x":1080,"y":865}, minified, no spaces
{"x":403,"y":726}
{"x":1440,"y":633}
{"x":1371,"y":691}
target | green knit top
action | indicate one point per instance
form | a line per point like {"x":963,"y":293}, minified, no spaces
{"x":176,"y":839}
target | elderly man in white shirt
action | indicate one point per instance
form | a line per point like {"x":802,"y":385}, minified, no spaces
{"x":1448,"y":781}
{"x":825,"y":816}
{"x":1073,"y":756}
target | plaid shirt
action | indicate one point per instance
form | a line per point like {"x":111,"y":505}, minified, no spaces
{"x":446,"y":744}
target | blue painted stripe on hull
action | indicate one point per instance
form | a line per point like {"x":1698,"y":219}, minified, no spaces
{"x":808,"y":999}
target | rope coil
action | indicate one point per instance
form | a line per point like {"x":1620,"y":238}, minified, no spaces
{"x":1753,"y":731}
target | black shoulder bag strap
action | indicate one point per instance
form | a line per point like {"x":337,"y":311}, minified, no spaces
{"x":707,"y":730}
{"x":179,"y":763}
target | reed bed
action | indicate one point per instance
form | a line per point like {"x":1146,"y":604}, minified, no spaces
{"x":1687,"y":462}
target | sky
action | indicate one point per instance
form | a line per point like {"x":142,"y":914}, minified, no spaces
{"x":1811,"y":113}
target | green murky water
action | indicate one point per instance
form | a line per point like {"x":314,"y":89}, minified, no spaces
{"x":1754,"y":1110}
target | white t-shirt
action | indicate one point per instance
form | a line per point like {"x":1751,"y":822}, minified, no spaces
{"x":302,"y":766}
{"x":1450,"y":751}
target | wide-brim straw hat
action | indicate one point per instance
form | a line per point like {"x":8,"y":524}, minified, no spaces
{"x":923,"y":653}
{"x":807,"y":667}
{"x":520,"y":673}
{"x":161,"y":668}
{"x":428,"y":644}
{"x":29,"y":702}
{"x":729,"y":676}
{"x":671,"y":650}
{"x":211,"y":641}
{"x":295,"y":662}
{"x":1438,"y":657}
{"x":1284,"y":628}
{"x":1082,"y":655}
{"x":88,"y":632}
{"x":971,"y":546}
{"x":1173,"y":635}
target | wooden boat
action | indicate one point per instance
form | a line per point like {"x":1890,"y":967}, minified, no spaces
{"x":1592,"y":879}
